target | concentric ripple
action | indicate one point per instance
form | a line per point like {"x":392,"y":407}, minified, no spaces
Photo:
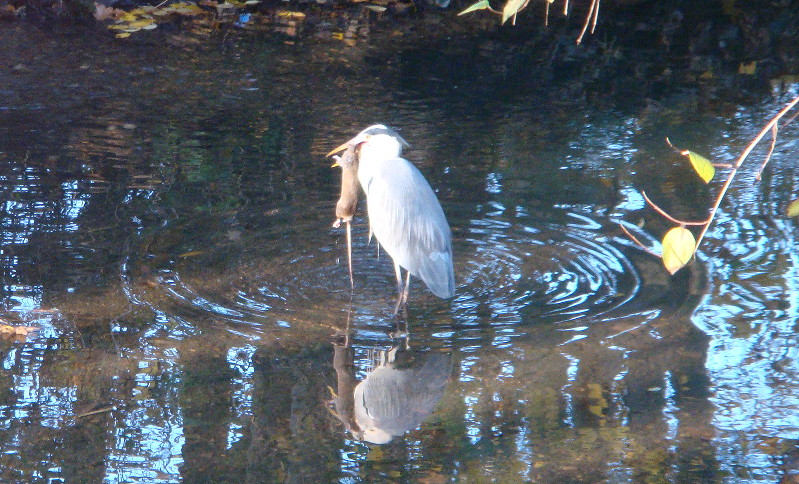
{"x":290,"y":271}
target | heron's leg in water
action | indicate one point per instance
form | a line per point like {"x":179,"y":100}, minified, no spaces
{"x":407,"y":287}
{"x":401,"y":296}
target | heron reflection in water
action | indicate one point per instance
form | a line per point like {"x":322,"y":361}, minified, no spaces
{"x":399,"y":392}
{"x":404,"y":213}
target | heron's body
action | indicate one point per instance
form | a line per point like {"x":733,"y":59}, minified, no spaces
{"x":404,"y":213}
{"x":407,"y":220}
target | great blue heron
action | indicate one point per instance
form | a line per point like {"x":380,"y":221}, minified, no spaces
{"x":404,"y":214}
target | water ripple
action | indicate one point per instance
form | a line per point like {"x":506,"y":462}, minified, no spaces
{"x":292,"y":273}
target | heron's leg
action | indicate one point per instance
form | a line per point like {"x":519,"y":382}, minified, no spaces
{"x":398,"y":272}
{"x":407,"y":287}
{"x":349,"y":252}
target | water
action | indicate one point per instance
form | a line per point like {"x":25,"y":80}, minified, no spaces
{"x":166,"y":226}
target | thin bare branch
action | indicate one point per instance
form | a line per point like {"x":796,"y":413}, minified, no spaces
{"x":596,"y":17}
{"x":740,"y":161}
{"x":594,"y":6}
{"x":770,"y":152}
{"x":790,"y":120}
{"x":94,"y":412}
{"x":546,"y":15}
{"x":669,"y":217}
{"x":566,"y":7}
{"x":632,"y":237}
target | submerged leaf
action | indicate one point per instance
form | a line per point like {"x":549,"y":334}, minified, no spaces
{"x":678,"y":248}
{"x":793,"y":209}
{"x":481,"y":5}
{"x":703,"y":167}
{"x":512,"y":8}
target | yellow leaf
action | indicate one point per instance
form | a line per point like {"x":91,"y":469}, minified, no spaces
{"x":703,"y":167}
{"x":140,"y":24}
{"x":678,"y":248}
{"x":793,"y":209}
{"x":482,"y":4}
{"x":17,"y":330}
{"x":192,"y":253}
{"x":289,"y":14}
{"x":512,"y":8}
{"x":127,"y":17}
{"x":123,"y":35}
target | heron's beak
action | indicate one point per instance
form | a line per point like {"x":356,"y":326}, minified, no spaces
{"x":340,"y":148}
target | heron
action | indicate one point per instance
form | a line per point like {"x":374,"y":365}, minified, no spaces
{"x":404,"y":213}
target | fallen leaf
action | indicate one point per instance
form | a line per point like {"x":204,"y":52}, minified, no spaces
{"x":16,"y":330}
{"x":793,"y":209}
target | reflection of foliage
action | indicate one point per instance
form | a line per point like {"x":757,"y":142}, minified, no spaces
{"x":205,"y":15}
{"x":221,"y":175}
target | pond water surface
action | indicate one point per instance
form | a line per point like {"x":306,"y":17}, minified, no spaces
{"x":166,"y":224}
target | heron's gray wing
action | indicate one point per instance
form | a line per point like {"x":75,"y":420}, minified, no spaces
{"x":407,"y":219}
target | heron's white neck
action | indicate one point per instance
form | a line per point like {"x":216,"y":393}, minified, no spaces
{"x":374,"y":150}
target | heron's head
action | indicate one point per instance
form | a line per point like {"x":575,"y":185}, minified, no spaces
{"x":375,"y":142}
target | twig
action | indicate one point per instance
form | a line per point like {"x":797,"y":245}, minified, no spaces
{"x":94,"y":412}
{"x":546,"y":14}
{"x":594,"y":6}
{"x":566,"y":7}
{"x":740,"y":161}
{"x":669,"y":217}
{"x":770,"y":152}
{"x":632,"y":237}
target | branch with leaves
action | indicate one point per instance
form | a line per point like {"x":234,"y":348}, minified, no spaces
{"x":513,"y":7}
{"x":679,"y":244}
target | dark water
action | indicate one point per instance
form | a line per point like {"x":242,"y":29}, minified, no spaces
{"x":166,"y":224}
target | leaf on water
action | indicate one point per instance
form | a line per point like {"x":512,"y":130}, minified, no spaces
{"x":512,"y":8}
{"x":140,"y":24}
{"x":188,"y":9}
{"x":122,"y":35}
{"x":291,"y":14}
{"x":747,"y":69}
{"x":6,"y":329}
{"x":793,"y":209}
{"x":703,"y":167}
{"x":678,"y":248}
{"x":481,"y":5}
{"x":192,"y":253}
{"x":375,"y":8}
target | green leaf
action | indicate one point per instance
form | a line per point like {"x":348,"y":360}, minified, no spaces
{"x":481,"y":5}
{"x":678,"y":248}
{"x":703,"y":167}
{"x":793,"y":209}
{"x":512,"y":8}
